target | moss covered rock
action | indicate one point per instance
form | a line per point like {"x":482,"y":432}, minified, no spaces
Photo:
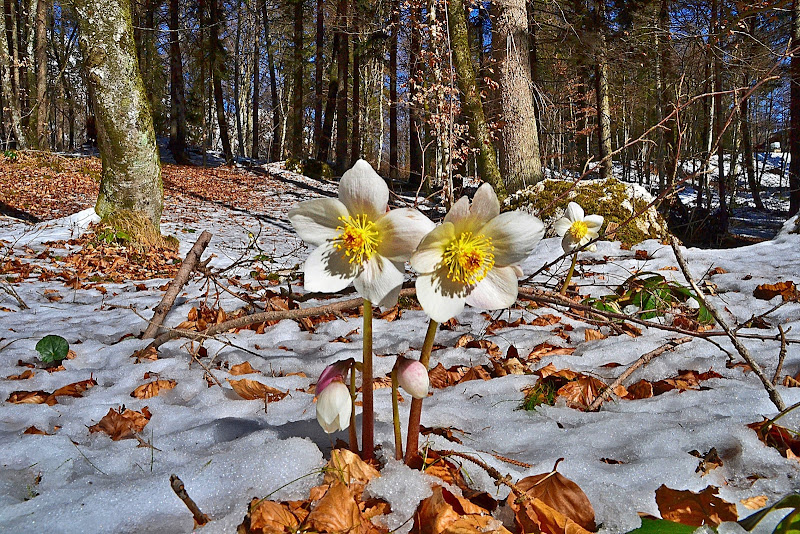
{"x":313,"y":168}
{"x":616,"y":201}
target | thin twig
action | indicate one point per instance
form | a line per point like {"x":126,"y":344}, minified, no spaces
{"x":6,"y":286}
{"x":774,"y":396}
{"x":492,"y":472}
{"x":177,"y":486}
{"x":643,"y":360}
{"x":781,"y":356}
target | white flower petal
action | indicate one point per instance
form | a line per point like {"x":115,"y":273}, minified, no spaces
{"x":440,"y":298}
{"x":568,"y":244}
{"x":334,"y":408}
{"x":363,"y":191}
{"x":430,"y":250}
{"x":315,"y":221}
{"x":574,"y":212}
{"x":327,"y":270}
{"x":400,"y":231}
{"x":379,"y":281}
{"x":562,"y":225}
{"x":498,"y":290}
{"x":485,"y":205}
{"x":514,"y":234}
{"x":459,"y":212}
{"x":593,"y":221}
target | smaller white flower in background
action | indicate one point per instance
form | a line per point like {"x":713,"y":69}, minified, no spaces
{"x":334,"y":404}
{"x":357,"y":240}
{"x":577,"y":229}
{"x":413,"y":377}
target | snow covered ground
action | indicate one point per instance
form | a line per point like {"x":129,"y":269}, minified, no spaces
{"x":228,"y":450}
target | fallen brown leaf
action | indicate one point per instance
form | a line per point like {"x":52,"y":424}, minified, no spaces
{"x":786,"y":290}
{"x":695,"y":509}
{"x":560,"y":494}
{"x":153,"y":389}
{"x":252,"y":390}
{"x":122,"y":423}
{"x":243,"y":368}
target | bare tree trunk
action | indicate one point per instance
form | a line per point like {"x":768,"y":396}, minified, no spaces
{"x":277,"y":119}
{"x":177,"y":89}
{"x":794,"y":110}
{"x":393,"y":160}
{"x":719,"y":117}
{"x":415,"y":130}
{"x":330,"y":103}
{"x":355,"y":138}
{"x":342,"y":61}
{"x":256,"y":81}
{"x":465,"y":76}
{"x":42,"y":101}
{"x":237,"y":76}
{"x":520,"y":159}
{"x":319,"y":85}
{"x":9,"y":97}
{"x":131,"y":178}
{"x":217,"y":70}
{"x":747,"y":148}
{"x":297,"y":122}
{"x":601,"y":86}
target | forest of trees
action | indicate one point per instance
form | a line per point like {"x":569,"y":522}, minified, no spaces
{"x":430,"y":91}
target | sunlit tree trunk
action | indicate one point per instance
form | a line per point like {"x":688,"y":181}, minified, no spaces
{"x":256,"y":81}
{"x":330,"y":103}
{"x":602,"y":91}
{"x":177,"y":129}
{"x":10,"y":100}
{"x":217,"y":69}
{"x":794,"y":110}
{"x":131,"y":178}
{"x":41,"y":106}
{"x":297,"y":122}
{"x":319,"y":85}
{"x":520,"y":161}
{"x":342,"y":61}
{"x":393,"y":159}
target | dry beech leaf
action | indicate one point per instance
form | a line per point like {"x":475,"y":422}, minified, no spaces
{"x":153,"y":389}
{"x":28,"y":397}
{"x":243,"y":369}
{"x":546,"y":349}
{"x":122,"y":424}
{"x":268,"y":517}
{"x":754,"y":503}
{"x":545,"y":320}
{"x":336,"y":511}
{"x":777,"y":437}
{"x":76,"y":389}
{"x":533,"y":515}
{"x":446,"y":513}
{"x":463,"y":340}
{"x":347,"y":467}
{"x":786,"y":290}
{"x":640,"y":390}
{"x":253,"y":390}
{"x":695,"y":509}
{"x":581,"y":392}
{"x":24,"y":375}
{"x":550,"y":370}
{"x":590,"y":334}
{"x":35,"y":431}
{"x":560,"y":494}
{"x":490,"y":347}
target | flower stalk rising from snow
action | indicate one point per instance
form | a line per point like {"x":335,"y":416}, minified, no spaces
{"x":471,"y":258}
{"x":577,"y":230}
{"x":334,"y":402}
{"x":358,"y":241}
{"x":412,"y":376}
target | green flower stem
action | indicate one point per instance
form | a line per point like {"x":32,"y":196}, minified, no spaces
{"x":412,"y":441}
{"x":398,"y":436}
{"x":569,"y":274}
{"x":352,"y":428}
{"x":368,"y":411}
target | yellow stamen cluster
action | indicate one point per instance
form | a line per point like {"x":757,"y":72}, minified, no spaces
{"x":358,"y":238}
{"x":469,"y":258}
{"x":578,"y":230}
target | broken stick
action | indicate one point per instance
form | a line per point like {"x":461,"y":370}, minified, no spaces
{"x":186,"y":268}
{"x":176,"y":483}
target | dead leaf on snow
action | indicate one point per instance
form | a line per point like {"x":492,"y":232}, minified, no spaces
{"x":243,"y":369}
{"x":74,"y":390}
{"x":35,"y":431}
{"x":546,"y":349}
{"x":561,"y":494}
{"x":336,"y":511}
{"x":252,"y":390}
{"x":590,"y":334}
{"x":754,"y":503}
{"x":581,"y":392}
{"x":345,"y":466}
{"x":268,"y":517}
{"x":28,"y":397}
{"x":786,"y":290}
{"x":26,"y":374}
{"x":545,"y":320}
{"x":122,"y":423}
{"x":695,"y":509}
{"x":153,"y":389}
{"x":443,"y":512}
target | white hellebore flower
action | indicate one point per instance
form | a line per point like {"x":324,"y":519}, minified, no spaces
{"x":473,"y":256}
{"x":577,"y":229}
{"x":413,"y":377}
{"x":357,"y":240}
{"x":333,"y":407}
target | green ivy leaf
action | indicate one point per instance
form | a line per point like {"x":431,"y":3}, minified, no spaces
{"x":662,"y":526}
{"x":52,"y":348}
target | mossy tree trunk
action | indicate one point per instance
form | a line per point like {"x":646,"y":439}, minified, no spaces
{"x":465,"y":76}
{"x":10,"y":99}
{"x":520,"y":159}
{"x":131,"y":178}
{"x":602,"y":93}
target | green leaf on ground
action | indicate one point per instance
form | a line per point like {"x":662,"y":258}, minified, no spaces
{"x":52,"y":348}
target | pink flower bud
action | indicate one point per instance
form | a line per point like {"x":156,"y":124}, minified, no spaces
{"x":413,"y":377}
{"x":334,"y":372}
{"x":333,"y":407}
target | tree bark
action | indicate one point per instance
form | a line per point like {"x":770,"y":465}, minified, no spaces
{"x":256,"y":81}
{"x":275,"y":106}
{"x":217,"y":72}
{"x":520,"y":159}
{"x":9,"y":97}
{"x":393,"y":160}
{"x":177,"y":89}
{"x":319,"y":85}
{"x":355,"y":137}
{"x":794,"y":111}
{"x":416,"y":131}
{"x":330,"y":104}
{"x":41,"y":107}
{"x":131,"y":178}
{"x":342,"y":62}
{"x":465,"y":76}
{"x":602,"y":91}
{"x":297,"y":122}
